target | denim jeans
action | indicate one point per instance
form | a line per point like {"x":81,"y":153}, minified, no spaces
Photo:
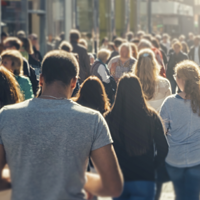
{"x":173,"y":85}
{"x":138,"y":190}
{"x":186,"y":182}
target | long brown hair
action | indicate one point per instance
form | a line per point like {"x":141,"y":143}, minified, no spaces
{"x":189,"y":72}
{"x":9,"y":88}
{"x":92,"y":94}
{"x":131,"y":121}
{"x":147,"y":70}
{"x":27,"y":45}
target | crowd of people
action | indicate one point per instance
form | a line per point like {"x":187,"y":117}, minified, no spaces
{"x":131,"y":112}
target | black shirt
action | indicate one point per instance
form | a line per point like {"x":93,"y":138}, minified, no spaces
{"x":143,"y":167}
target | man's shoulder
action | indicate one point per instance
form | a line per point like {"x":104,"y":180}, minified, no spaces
{"x":78,"y":47}
{"x":15,"y":107}
{"x":82,"y":109}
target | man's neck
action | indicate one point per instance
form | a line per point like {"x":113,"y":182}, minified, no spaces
{"x":56,"y":91}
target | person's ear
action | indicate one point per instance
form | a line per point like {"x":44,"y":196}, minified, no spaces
{"x":73,"y":83}
{"x":41,"y":81}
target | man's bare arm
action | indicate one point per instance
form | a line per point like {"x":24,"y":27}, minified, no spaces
{"x":109,"y":182}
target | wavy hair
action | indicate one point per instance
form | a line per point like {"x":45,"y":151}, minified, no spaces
{"x":9,"y":89}
{"x":147,"y":70}
{"x":189,"y":72}
{"x":93,"y":95}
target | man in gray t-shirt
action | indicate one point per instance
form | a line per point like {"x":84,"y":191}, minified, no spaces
{"x":47,"y":141}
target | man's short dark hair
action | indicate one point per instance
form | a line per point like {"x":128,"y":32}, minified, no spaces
{"x":59,"y":65}
{"x":75,"y":35}
{"x":13,"y":42}
{"x":66,"y":46}
{"x":4,"y":34}
{"x":135,"y":41}
{"x":118,"y":41}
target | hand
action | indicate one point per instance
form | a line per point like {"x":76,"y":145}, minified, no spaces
{"x":5,"y":184}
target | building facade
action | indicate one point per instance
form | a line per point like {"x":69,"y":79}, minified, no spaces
{"x":48,"y":18}
{"x":173,"y":16}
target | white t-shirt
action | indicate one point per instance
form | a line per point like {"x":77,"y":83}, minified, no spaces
{"x":48,"y":144}
{"x":162,"y":91}
{"x":102,"y":72}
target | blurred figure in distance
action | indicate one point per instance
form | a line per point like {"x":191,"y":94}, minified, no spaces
{"x":175,"y":58}
{"x":123,"y":63}
{"x":155,"y":87}
{"x":84,"y":62}
{"x":13,"y":61}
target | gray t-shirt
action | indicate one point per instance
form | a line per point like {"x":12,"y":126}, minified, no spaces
{"x":47,"y":145}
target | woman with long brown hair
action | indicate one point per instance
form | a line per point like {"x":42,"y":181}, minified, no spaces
{"x":9,"y":88}
{"x":92,"y":94}
{"x":155,"y":87}
{"x":139,"y":139}
{"x":181,"y":114}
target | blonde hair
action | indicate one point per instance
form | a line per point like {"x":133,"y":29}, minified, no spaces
{"x":134,"y":50}
{"x":103,"y":54}
{"x":189,"y":72}
{"x":17,"y":61}
{"x":147,"y":70}
{"x":83,"y":42}
{"x":178,"y":43}
{"x":128,"y":47}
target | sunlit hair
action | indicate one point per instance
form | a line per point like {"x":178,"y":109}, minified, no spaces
{"x":83,"y":42}
{"x":189,"y":72}
{"x":103,"y":54}
{"x":144,"y":44}
{"x":130,"y":120}
{"x":92,"y":94}
{"x":177,"y":43}
{"x":26,"y":43}
{"x":17,"y":60}
{"x":9,"y":88}
{"x":185,"y":47}
{"x":128,"y":47}
{"x":66,"y":46}
{"x":134,"y":50}
{"x":147,"y":70}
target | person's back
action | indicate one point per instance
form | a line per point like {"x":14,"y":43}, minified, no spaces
{"x":162,"y":91}
{"x":181,"y":114}
{"x":137,"y":133}
{"x":155,"y":87}
{"x":84,"y":61}
{"x":52,"y":148}
{"x":25,"y":86}
{"x":48,"y":141}
{"x":183,"y":134}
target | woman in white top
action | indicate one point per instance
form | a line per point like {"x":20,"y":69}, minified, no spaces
{"x":155,"y":87}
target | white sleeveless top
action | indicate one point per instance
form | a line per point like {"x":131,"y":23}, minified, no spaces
{"x":162,"y":91}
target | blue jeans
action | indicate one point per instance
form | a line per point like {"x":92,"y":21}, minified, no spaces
{"x":173,"y":85}
{"x":186,"y":182}
{"x":138,"y":190}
